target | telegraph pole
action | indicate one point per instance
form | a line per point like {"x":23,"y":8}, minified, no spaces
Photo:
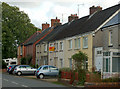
{"x":78,"y":8}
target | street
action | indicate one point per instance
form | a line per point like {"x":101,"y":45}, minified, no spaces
{"x":16,"y":81}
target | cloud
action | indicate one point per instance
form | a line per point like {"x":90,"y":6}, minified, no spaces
{"x":41,"y":11}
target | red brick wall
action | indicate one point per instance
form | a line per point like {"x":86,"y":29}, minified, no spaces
{"x":29,"y":50}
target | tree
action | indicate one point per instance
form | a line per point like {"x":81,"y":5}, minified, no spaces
{"x":23,"y":61}
{"x":80,"y":59}
{"x":16,"y":28}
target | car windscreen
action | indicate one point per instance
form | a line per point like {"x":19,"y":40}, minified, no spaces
{"x":39,"y":68}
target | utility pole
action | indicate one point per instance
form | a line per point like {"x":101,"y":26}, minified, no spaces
{"x":62,"y":17}
{"x":78,"y":8}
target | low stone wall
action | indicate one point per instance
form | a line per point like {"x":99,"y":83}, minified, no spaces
{"x":108,"y":75}
{"x":103,"y":84}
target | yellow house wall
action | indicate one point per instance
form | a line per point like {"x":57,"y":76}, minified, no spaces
{"x":69,"y":52}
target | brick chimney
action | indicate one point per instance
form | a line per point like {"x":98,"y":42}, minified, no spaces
{"x":72,"y":17}
{"x":55,"y":22}
{"x":94,"y":9}
{"x":45,"y":26}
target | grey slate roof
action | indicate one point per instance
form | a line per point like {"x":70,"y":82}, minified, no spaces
{"x":34,"y":39}
{"x":86,"y":24}
{"x":114,"y":21}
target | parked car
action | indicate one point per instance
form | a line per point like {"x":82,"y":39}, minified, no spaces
{"x":46,"y":70}
{"x":11,"y":69}
{"x":24,"y":69}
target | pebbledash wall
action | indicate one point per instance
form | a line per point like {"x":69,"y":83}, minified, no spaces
{"x":63,"y":57}
{"x":111,"y":51}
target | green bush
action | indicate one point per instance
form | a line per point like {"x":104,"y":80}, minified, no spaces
{"x":4,"y":65}
{"x":65,"y":69}
{"x":23,"y":61}
{"x":111,"y":80}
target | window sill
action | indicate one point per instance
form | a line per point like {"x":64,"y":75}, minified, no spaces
{"x":56,"y":51}
{"x":69,"y":49}
{"x":76,"y":49}
{"x":61,"y":51}
{"x":110,"y":45}
{"x":85,"y":47}
{"x":45,"y":51}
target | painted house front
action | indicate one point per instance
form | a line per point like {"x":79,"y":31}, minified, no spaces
{"x":56,"y":57}
{"x":111,"y":51}
{"x":107,"y":54}
{"x":77,"y":30}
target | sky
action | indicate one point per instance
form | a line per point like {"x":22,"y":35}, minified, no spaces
{"x":42,"y":11}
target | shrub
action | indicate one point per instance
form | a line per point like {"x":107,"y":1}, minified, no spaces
{"x":23,"y":60}
{"x":65,"y":69}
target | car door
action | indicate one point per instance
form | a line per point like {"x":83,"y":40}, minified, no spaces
{"x":29,"y":70}
{"x":45,"y":70}
{"x":23,"y":69}
{"x":53,"y":70}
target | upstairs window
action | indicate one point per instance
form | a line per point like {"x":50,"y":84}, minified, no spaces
{"x":45,"y":48}
{"x":70,"y":44}
{"x":61,"y":45}
{"x":85,"y":42}
{"x":79,"y":43}
{"x":75,"y":43}
{"x":110,"y":37}
{"x":56,"y":46}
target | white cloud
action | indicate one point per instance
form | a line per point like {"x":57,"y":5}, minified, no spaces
{"x":41,"y":11}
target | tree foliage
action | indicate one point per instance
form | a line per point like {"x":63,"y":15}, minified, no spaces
{"x":16,"y":28}
{"x":80,"y":59}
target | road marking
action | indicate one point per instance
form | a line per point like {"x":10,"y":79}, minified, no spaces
{"x":5,"y":79}
{"x":15,"y":83}
{"x":24,"y":86}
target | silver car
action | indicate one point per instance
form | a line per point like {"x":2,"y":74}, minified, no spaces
{"x":46,"y":70}
{"x":24,"y":69}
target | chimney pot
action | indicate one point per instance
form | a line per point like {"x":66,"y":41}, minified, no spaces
{"x":45,"y":26}
{"x":94,"y":9}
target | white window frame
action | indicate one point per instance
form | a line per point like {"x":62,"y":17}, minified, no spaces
{"x":70,"y":44}
{"x":56,"y":46}
{"x":76,"y":45}
{"x":85,"y":45}
{"x":110,"y":37}
{"x":61,"y":45}
{"x":45,"y":48}
{"x":61,"y":63}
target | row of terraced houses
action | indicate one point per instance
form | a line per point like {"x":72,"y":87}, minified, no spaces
{"x":97,"y":35}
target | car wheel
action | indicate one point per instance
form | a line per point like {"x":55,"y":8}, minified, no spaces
{"x":41,"y":76}
{"x":19,"y":73}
